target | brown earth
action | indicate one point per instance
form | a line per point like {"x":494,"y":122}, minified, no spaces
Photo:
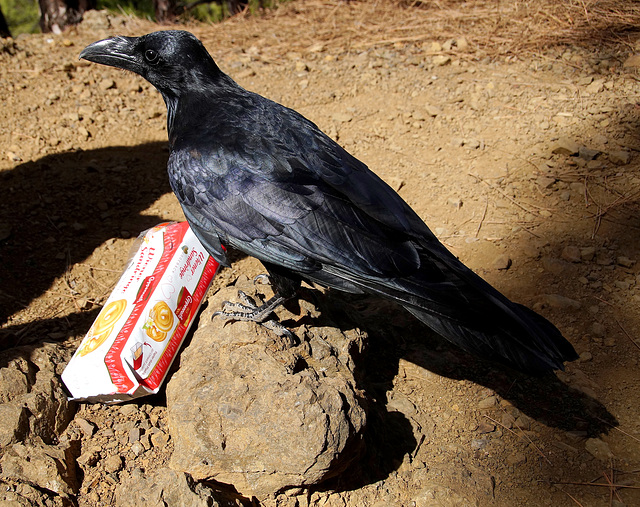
{"x":525,"y":164}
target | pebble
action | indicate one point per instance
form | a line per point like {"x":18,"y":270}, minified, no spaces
{"x":545,"y":181}
{"x":440,"y":60}
{"x":585,"y":357}
{"x":632,"y":61}
{"x":598,"y":329}
{"x":625,"y":262}
{"x":128,"y":410}
{"x":595,"y":87}
{"x":553,"y":265}
{"x":620,"y":157}
{"x":516,"y":459}
{"x":561,"y":302}
{"x":488,"y":402}
{"x":565,"y":146}
{"x":587,"y":253}
{"x":160,"y":439}
{"x":598,"y":449}
{"x":587,"y":153}
{"x":486,"y":427}
{"x":87,"y":427}
{"x":113,"y":464}
{"x":433,"y":111}
{"x":502,"y":262}
{"x":571,"y":254}
{"x":106,"y":84}
{"x":134,"y":435}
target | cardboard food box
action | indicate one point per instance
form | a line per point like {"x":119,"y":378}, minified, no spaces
{"x":133,"y":341}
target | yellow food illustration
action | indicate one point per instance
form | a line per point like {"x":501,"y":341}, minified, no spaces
{"x":103,"y":326}
{"x":109,"y":316}
{"x":162,"y":316}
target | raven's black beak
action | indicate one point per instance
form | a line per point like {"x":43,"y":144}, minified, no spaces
{"x":117,"y":52}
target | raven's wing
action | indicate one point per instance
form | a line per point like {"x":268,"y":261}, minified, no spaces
{"x":282,"y":191}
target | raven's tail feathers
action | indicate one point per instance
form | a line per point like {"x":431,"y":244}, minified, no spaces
{"x":534,"y":345}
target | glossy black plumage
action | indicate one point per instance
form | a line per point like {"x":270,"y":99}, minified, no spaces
{"x":259,"y":177}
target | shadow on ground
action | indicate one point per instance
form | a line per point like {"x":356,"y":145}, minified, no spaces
{"x":57,"y":210}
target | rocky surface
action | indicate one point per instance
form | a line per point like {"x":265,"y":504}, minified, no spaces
{"x":524,"y":164}
{"x":256,"y":412}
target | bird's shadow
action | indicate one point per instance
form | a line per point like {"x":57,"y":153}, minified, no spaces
{"x":393,"y":335}
{"x":55,"y":211}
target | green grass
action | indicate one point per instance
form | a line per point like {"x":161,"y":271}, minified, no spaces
{"x":22,"y":15}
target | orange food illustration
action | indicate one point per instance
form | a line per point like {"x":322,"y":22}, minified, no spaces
{"x":162,"y":316}
{"x":153,"y":332}
{"x":103,"y":326}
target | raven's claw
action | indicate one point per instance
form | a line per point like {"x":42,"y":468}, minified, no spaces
{"x":250,"y":311}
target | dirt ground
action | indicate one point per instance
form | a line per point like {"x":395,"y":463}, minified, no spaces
{"x":524,"y":163}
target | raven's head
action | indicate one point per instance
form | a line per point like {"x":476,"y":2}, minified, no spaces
{"x":173,"y":61}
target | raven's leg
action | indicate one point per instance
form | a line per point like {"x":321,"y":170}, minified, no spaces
{"x":285,"y":286}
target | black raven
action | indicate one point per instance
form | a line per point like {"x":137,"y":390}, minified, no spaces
{"x":257,"y":176}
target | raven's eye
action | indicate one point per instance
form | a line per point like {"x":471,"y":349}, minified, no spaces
{"x":151,"y":56}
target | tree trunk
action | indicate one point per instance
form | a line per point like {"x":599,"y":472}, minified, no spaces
{"x":56,"y":15}
{"x":166,"y":10}
{"x":4,"y":28}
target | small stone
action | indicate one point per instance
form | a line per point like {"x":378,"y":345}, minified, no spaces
{"x":565,"y":146}
{"x":588,"y":253}
{"x":625,"y":262}
{"x":595,"y":87}
{"x":441,"y":60}
{"x":89,"y":458}
{"x":553,"y":265}
{"x":599,"y":449}
{"x":587,"y":153}
{"x":598,"y":329}
{"x":603,"y":259}
{"x":486,"y":427}
{"x":106,"y":84}
{"x":487,"y":403}
{"x":462,"y":44}
{"x":342,"y":117}
{"x":516,"y":459}
{"x":632,"y":61}
{"x":137,"y":448}
{"x":619,"y":157}
{"x":113,"y":464}
{"x":545,"y":181}
{"x":502,"y":262}
{"x":455,"y":202}
{"x":134,"y":435}
{"x":85,"y":426}
{"x":432,"y":111}
{"x":472,"y":144}
{"x":128,"y":410}
{"x":571,"y":254}
{"x":585,"y":357}
{"x":160,"y":439}
{"x":561,"y":302}
{"x":479,"y":443}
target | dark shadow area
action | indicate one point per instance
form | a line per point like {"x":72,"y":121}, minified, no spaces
{"x":57,"y":210}
{"x":393,"y":334}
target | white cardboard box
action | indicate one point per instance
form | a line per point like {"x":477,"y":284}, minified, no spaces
{"x":133,"y":341}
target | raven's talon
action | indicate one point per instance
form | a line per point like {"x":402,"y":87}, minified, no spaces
{"x":279,"y":329}
{"x":263,"y":279}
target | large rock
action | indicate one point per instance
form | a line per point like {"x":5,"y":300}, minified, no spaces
{"x":248,"y":409}
{"x":32,"y":401}
{"x":167,"y":487}
{"x":47,"y":467}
